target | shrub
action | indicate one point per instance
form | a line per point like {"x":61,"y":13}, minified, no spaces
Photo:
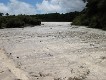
{"x":81,"y":20}
{"x":15,"y":23}
{"x":77,"y":21}
{"x":18,"y":21}
{"x":31,"y":21}
{"x":95,"y":15}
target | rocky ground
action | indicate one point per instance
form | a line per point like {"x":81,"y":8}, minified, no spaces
{"x":53,"y":51}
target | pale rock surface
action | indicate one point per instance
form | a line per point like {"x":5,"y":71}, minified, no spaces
{"x":53,"y":51}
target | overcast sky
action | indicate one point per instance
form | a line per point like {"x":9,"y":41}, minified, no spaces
{"x":40,"y":6}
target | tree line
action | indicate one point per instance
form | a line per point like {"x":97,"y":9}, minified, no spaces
{"x":14,"y":21}
{"x":19,"y":21}
{"x":94,"y":15}
{"x":57,"y":17}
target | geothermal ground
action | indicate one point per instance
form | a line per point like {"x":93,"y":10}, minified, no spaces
{"x":53,"y":51}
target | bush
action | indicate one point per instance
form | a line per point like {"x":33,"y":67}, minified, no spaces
{"x":94,"y":15}
{"x":81,"y":20}
{"x":18,"y":21}
{"x":31,"y":21}
{"x":15,"y":23}
{"x":2,"y":22}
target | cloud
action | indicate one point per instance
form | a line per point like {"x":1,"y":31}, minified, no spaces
{"x":17,"y":7}
{"x":46,"y":6}
{"x":3,"y":8}
{"x":61,"y":6}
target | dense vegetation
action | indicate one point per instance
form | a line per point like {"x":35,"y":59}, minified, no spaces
{"x":17,"y":21}
{"x":94,"y":15}
{"x":57,"y":17}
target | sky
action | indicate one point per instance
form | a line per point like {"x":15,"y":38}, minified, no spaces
{"x":40,"y":6}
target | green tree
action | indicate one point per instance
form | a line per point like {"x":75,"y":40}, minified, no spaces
{"x":94,"y":14}
{"x":1,"y":14}
{"x":7,"y":14}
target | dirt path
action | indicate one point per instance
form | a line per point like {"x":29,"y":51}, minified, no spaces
{"x":12,"y":67}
